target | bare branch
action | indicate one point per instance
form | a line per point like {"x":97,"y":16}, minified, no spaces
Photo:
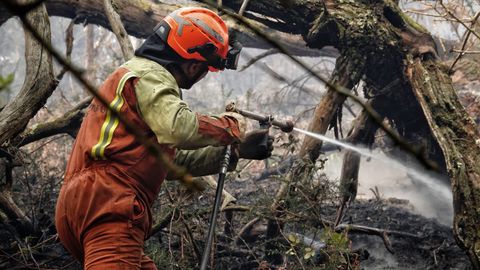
{"x":118,"y":29}
{"x":39,"y":81}
{"x":466,"y":52}
{"x":243,"y":7}
{"x":258,"y":57}
{"x":69,"y":47}
{"x":470,"y":29}
{"x":382,"y":233}
{"x":464,"y":44}
{"x":362,"y":133}
{"x":68,"y":123}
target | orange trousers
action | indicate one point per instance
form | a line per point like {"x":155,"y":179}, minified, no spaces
{"x":101,"y":221}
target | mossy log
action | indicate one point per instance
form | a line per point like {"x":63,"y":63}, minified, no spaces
{"x":397,"y":59}
{"x":459,"y":140}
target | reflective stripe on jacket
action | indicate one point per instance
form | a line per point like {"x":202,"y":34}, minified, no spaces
{"x":147,"y":95}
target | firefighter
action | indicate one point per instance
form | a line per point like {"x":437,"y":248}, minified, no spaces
{"x":103,"y":211}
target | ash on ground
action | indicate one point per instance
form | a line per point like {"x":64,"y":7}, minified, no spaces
{"x":437,"y":248}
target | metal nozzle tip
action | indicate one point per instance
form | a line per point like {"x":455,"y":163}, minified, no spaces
{"x":288,"y":127}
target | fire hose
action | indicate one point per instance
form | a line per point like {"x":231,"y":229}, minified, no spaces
{"x":265,"y":121}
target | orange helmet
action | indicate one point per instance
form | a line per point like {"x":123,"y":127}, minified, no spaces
{"x":196,"y":33}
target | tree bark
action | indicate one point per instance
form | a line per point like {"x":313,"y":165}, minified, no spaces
{"x":68,"y":123}
{"x":459,"y":140}
{"x":398,"y":51}
{"x":140,"y":17}
{"x":118,"y":29}
{"x":327,"y":108}
{"x":39,"y":81}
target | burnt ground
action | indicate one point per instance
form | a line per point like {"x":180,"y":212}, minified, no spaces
{"x":436,"y":249}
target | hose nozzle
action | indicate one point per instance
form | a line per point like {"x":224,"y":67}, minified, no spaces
{"x":285,"y":126}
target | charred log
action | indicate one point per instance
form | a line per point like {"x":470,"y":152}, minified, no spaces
{"x":404,"y":54}
{"x":140,"y":17}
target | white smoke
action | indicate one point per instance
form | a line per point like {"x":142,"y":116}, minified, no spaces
{"x":427,"y":193}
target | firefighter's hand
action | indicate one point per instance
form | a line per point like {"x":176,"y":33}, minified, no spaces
{"x":250,"y":147}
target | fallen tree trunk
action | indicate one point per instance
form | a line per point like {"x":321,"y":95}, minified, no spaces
{"x":68,"y":123}
{"x":398,"y":51}
{"x":459,"y":140}
{"x":140,"y":17}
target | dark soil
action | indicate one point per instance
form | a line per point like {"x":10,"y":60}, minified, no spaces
{"x":436,"y":250}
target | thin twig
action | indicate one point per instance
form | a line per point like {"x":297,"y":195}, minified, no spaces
{"x":470,"y":29}
{"x":243,"y":7}
{"x":466,"y":52}
{"x":464,"y":44}
{"x":69,"y":47}
{"x":192,"y":239}
{"x":258,"y":57}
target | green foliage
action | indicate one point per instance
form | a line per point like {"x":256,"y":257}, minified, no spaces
{"x":307,"y":252}
{"x":338,"y":254}
{"x":337,"y":240}
{"x":6,"y":81}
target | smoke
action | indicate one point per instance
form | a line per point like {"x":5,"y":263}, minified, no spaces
{"x":426,"y":192}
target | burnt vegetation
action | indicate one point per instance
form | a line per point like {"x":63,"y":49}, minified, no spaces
{"x":383,"y":82}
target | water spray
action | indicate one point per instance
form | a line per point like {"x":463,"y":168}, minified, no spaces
{"x":426,"y":179}
{"x":267,"y":121}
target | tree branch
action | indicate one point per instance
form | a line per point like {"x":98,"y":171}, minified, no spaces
{"x":39,"y":81}
{"x":362,"y":133}
{"x":464,"y":44}
{"x":69,"y":47}
{"x":68,"y":123}
{"x":257,"y":58}
{"x":118,"y":29}
{"x":140,"y":17}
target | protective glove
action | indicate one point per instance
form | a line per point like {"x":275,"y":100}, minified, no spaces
{"x":250,"y":147}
